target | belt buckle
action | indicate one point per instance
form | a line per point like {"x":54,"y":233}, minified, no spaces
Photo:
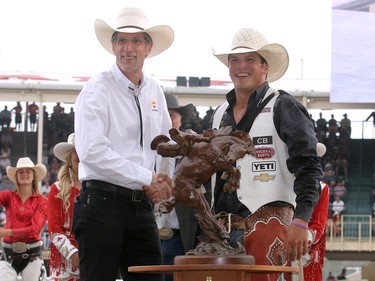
{"x":165,"y":233}
{"x":135,"y":196}
{"x":19,"y":247}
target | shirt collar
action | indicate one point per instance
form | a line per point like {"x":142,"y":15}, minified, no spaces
{"x":257,"y":95}
{"x":122,"y":79}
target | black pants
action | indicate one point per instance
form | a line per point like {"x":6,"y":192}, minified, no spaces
{"x":114,"y":233}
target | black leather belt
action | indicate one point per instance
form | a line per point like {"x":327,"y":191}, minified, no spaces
{"x":131,"y":194}
{"x":22,"y":247}
{"x":175,"y":231}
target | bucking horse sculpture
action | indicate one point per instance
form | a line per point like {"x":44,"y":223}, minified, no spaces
{"x":202,"y":156}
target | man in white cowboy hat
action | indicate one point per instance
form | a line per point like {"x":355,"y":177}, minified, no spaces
{"x":279,"y":183}
{"x":117,"y":115}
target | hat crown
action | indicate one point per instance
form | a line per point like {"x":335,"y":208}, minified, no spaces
{"x":172,"y":101}
{"x":71,"y":139}
{"x":62,"y":149}
{"x":25,"y":162}
{"x":132,"y":17}
{"x":248,"y":38}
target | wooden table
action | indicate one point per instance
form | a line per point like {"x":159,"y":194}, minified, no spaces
{"x":212,"y":268}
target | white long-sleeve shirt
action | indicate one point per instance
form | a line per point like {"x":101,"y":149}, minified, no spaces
{"x":108,"y":129}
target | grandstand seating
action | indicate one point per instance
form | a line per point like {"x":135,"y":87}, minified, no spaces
{"x":24,"y":143}
{"x":361,"y":171}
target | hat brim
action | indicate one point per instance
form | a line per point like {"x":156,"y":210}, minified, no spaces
{"x":162,"y":36}
{"x":185,"y":111}
{"x":275,"y":54}
{"x":62,"y":149}
{"x":40,"y":172}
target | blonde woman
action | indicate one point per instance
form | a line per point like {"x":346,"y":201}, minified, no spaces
{"x":26,"y":214}
{"x":64,"y":259}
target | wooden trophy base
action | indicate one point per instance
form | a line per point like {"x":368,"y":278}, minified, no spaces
{"x":212,"y":268}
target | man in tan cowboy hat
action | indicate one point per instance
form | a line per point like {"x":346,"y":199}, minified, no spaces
{"x":117,"y":115}
{"x":279,"y":184}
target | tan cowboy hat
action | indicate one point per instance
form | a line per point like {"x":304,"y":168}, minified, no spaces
{"x":185,"y":111}
{"x":62,"y":149}
{"x":25,"y":162}
{"x":249,"y":40}
{"x":134,"y":20}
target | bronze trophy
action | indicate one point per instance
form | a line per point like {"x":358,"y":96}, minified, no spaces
{"x":203,"y":155}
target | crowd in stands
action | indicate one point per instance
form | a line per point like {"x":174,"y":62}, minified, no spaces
{"x":336,"y":137}
{"x":57,"y":126}
{"x":6,"y":142}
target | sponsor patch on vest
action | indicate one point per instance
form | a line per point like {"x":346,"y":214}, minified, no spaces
{"x":264,"y":166}
{"x":262,"y":140}
{"x":264,"y":177}
{"x":263,"y":152}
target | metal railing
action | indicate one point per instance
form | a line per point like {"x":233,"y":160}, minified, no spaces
{"x":354,"y":233}
{"x":357,"y":233}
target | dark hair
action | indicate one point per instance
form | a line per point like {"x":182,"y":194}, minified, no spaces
{"x":262,"y":59}
{"x":146,"y":36}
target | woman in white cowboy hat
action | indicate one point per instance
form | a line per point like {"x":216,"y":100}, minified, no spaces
{"x":26,"y":215}
{"x":64,"y":259}
{"x":117,"y":115}
{"x":280,"y":182}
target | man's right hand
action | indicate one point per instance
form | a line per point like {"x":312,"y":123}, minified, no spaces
{"x":160,"y":188}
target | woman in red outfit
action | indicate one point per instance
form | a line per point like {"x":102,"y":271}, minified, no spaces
{"x":314,"y":260}
{"x":26,"y":214}
{"x":64,"y":253}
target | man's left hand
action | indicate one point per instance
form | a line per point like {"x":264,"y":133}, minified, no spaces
{"x":296,"y":241}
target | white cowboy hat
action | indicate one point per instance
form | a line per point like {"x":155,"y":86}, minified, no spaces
{"x":185,"y":111}
{"x":25,"y":162}
{"x":134,"y":20}
{"x":249,"y":40}
{"x":62,"y":149}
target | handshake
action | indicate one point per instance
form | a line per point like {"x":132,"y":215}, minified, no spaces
{"x":160,"y":188}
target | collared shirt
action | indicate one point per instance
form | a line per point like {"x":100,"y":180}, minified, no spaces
{"x":26,"y":220}
{"x":112,"y":141}
{"x":293,"y":125}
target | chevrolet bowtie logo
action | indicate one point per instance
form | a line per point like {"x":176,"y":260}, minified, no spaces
{"x":264,"y":177}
